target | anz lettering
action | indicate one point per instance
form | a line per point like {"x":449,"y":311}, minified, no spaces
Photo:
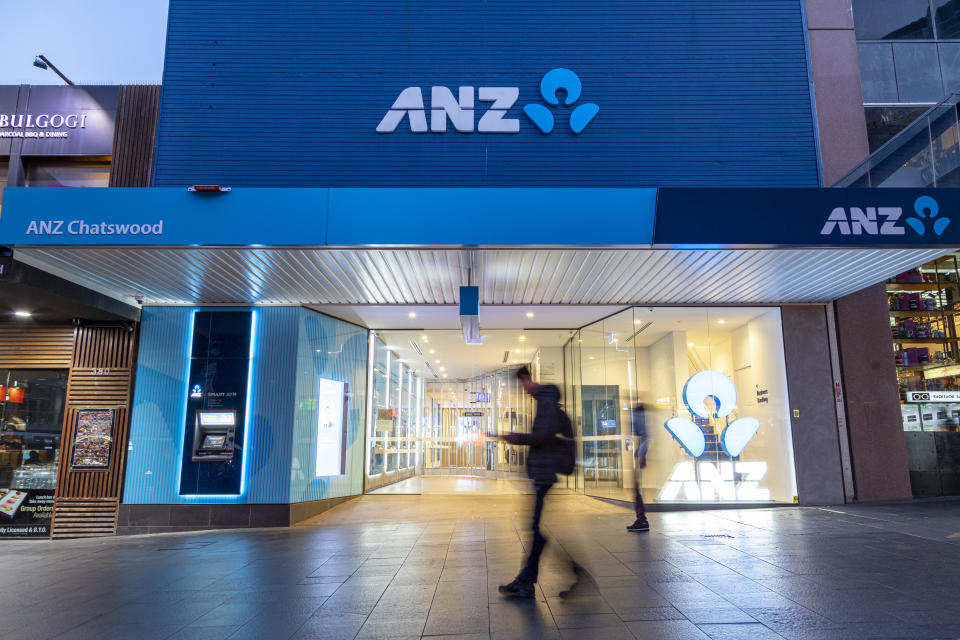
{"x":869,"y":221}
{"x":885,"y":221}
{"x":459,"y":111}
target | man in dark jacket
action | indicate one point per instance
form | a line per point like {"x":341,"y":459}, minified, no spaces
{"x":543,"y":461}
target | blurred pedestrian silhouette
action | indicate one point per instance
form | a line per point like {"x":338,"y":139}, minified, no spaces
{"x":640,"y":445}
{"x":552,"y":451}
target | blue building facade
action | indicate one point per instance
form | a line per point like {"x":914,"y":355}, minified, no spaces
{"x":689,"y":92}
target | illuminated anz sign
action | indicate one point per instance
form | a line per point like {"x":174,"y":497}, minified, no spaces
{"x":460,"y":111}
{"x":709,"y":480}
{"x":711,"y":384}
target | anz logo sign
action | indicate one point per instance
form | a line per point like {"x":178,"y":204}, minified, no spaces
{"x":711,"y":384}
{"x":886,"y":221}
{"x":460,"y":111}
{"x":705,"y":480}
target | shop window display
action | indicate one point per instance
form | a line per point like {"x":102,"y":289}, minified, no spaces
{"x":31,"y":414}
{"x":925,"y":327}
{"x":713,"y":386}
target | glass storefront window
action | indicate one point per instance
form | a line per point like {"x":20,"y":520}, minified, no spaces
{"x":892,"y":20}
{"x":60,"y":173}
{"x":716,"y":376}
{"x":31,"y":424}
{"x":396,"y":415}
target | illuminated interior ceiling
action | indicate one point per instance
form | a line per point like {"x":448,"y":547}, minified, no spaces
{"x":451,"y":358}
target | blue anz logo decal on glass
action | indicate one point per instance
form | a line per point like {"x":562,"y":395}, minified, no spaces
{"x":927,"y":209}
{"x":711,"y":384}
{"x":553,"y":81}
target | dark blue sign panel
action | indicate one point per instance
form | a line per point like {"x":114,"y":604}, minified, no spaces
{"x":219,"y":375}
{"x":710,"y":218}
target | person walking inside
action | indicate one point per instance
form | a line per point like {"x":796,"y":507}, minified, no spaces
{"x":548,"y":456}
{"x":641,"y":443}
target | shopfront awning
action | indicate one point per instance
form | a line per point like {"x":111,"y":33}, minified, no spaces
{"x":520,"y":246}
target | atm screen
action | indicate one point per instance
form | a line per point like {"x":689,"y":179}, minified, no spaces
{"x":218,"y":418}
{"x":212,"y":441}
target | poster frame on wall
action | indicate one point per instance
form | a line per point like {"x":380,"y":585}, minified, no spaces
{"x":320,"y":470}
{"x":76,"y":436}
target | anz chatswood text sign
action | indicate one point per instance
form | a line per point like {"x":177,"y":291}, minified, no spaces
{"x":462,"y":111}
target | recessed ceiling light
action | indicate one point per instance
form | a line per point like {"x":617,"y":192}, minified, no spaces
{"x":590,"y":358}
{"x":515,"y":361}
{"x":689,"y":344}
{"x":529,"y":314}
{"x":721,"y":321}
{"x":636,"y":322}
{"x":436,"y":362}
{"x":444,"y":375}
{"x":442,"y":369}
{"x":523,"y":338}
{"x":22,"y":314}
{"x":433,"y":350}
{"x":412,"y":314}
{"x":425,"y":338}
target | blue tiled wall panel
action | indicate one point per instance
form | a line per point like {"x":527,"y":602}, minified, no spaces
{"x":328,"y":348}
{"x":691,"y":92}
{"x":293,"y":348}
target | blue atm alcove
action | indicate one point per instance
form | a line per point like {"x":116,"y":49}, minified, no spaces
{"x":219,"y":376}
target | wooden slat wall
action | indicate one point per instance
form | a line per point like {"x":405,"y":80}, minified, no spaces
{"x":134,"y":136}
{"x":36,"y":346}
{"x":101,"y":377}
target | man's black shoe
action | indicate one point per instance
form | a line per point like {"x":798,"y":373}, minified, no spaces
{"x":639,"y":525}
{"x":518,"y":589}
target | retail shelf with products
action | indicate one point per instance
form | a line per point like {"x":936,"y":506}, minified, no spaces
{"x":925,"y":325}
{"x":906,"y":287}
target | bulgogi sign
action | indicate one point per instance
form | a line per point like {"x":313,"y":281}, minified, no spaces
{"x":54,"y":121}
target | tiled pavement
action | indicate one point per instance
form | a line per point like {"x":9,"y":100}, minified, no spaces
{"x":428,"y":566}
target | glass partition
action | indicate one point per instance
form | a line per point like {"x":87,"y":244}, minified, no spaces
{"x":712,"y":384}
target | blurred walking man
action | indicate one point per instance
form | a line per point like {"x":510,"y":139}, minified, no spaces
{"x":549,"y":455}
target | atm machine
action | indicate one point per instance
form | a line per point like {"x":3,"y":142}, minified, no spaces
{"x":213,"y":435}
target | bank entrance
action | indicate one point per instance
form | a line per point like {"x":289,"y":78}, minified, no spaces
{"x":711,"y":381}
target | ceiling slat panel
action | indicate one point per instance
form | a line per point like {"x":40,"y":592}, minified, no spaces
{"x":505,"y":276}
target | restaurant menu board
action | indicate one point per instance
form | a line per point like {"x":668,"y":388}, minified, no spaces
{"x":25,"y":514}
{"x":93,"y":439}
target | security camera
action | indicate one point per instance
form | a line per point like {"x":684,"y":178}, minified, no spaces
{"x":650,"y":309}
{"x":139,"y":299}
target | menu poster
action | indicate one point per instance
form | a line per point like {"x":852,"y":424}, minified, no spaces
{"x":93,"y":439}
{"x":25,"y":514}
